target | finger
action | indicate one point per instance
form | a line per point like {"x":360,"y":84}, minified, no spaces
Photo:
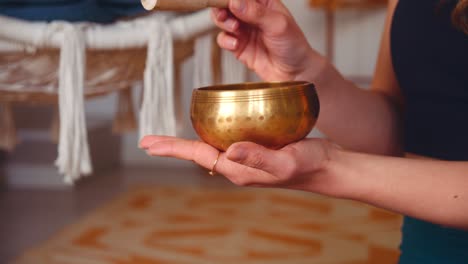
{"x":254,"y":12}
{"x":275,"y":162}
{"x":242,"y":175}
{"x":227,"y":41}
{"x":205,"y":155}
{"x":147,"y":141}
{"x":196,"y":151}
{"x":230,"y":24}
{"x":219,"y":14}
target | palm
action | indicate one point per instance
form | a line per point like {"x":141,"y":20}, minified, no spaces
{"x":296,"y":166}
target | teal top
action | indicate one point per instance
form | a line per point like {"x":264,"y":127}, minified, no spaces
{"x":430,"y":59}
{"x":427,"y":243}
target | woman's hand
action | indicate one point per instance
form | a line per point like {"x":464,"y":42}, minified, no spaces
{"x":264,"y":36}
{"x":302,"y":165}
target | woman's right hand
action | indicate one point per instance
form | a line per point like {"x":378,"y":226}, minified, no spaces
{"x":265,"y":37}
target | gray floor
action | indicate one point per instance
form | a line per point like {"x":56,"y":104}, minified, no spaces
{"x":28,"y":217}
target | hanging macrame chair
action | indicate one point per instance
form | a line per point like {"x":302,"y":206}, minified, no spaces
{"x":67,"y":62}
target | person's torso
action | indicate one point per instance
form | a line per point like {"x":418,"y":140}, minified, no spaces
{"x":430,"y":59}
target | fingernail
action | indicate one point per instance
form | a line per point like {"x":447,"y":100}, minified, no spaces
{"x":238,"y":5}
{"x":234,"y":43}
{"x":231,"y":24}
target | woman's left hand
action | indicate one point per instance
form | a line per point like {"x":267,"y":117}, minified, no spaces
{"x":303,"y":165}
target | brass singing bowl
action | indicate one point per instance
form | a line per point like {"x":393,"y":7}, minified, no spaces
{"x":269,"y":114}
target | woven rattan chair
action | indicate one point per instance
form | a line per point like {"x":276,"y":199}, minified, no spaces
{"x":64,"y":63}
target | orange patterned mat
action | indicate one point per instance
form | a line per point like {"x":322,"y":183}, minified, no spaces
{"x":152,"y":225}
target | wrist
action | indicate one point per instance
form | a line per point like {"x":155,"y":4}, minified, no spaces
{"x":347,"y":182}
{"x":313,"y":67}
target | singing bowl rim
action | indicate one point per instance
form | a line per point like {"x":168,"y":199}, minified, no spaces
{"x":247,"y":87}
{"x":251,"y":91}
{"x":264,"y":91}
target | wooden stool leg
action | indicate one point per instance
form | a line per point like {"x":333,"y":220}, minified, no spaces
{"x":178,"y":93}
{"x":55,"y":126}
{"x":124,"y":120}
{"x":8,"y":139}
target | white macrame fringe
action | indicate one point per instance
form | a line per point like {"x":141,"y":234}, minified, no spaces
{"x":203,"y":70}
{"x":73,"y":151}
{"x":157,"y":115}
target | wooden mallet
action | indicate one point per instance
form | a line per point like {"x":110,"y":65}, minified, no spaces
{"x":183,"y":5}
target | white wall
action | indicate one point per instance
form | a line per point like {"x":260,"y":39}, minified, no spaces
{"x":357,"y":35}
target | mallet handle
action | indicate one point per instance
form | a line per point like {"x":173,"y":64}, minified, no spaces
{"x":183,"y":5}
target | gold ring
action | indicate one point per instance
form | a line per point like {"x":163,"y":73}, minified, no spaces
{"x":213,"y":168}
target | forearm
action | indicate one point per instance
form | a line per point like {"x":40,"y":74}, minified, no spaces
{"x":355,"y":118}
{"x":431,"y":190}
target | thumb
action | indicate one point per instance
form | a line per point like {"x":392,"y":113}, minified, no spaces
{"x":259,"y":157}
{"x":255,"y":13}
